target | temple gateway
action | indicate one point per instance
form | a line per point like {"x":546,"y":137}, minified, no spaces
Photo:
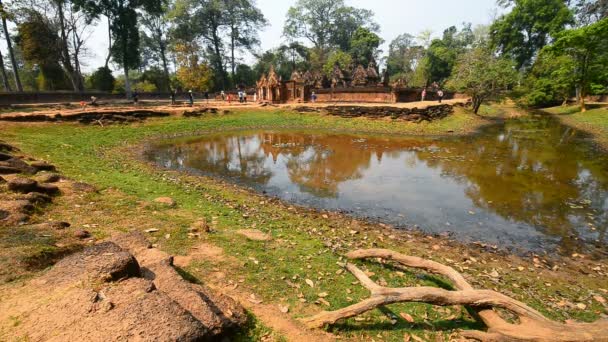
{"x":362,"y":84}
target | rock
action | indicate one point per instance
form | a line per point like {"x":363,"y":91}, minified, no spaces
{"x":49,"y":178}
{"x":18,"y":164}
{"x":82,"y":234}
{"x":167,"y":201}
{"x":84,"y":187}
{"x":36,"y":198}
{"x":4,"y":214}
{"x":51,"y":225}
{"x":4,"y":156}
{"x":199,"y":226}
{"x":254,"y":234}
{"x":42,"y":166}
{"x":48,"y":189}
{"x":2,"y":180}
{"x":8,"y":170}
{"x":22,"y":185}
{"x":6,"y":147}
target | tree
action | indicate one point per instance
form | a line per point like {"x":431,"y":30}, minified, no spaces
{"x":5,"y":82}
{"x":590,"y":11}
{"x":244,"y":22}
{"x":588,"y":48}
{"x":40,"y":46}
{"x":443,"y":53}
{"x":482,"y":75}
{"x":549,"y":81}
{"x":339,"y":58}
{"x":326,"y":23}
{"x":364,"y":46}
{"x":4,"y":16}
{"x":530,"y":25}
{"x":404,"y":57}
{"x":122,"y":15}
{"x":102,"y":79}
{"x":192,"y":73}
{"x":155,"y":37}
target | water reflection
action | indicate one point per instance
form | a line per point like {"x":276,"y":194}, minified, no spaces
{"x":528,"y":184}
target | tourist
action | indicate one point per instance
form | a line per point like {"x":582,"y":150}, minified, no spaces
{"x":245,"y":96}
{"x":223,"y":94}
{"x":255,"y":97}
{"x":93,"y":101}
{"x":240,"y":96}
{"x":207,"y":96}
{"x":135,"y":97}
{"x":173,"y":97}
{"x":313,"y":97}
{"x":423,"y":94}
{"x":229,"y":98}
{"x":190,"y":98}
{"x":440,"y":95}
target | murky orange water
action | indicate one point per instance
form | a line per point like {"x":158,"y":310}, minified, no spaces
{"x":528,"y":184}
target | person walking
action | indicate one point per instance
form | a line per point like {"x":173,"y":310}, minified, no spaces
{"x":255,"y":97}
{"x":223,"y":94}
{"x":173,"y":97}
{"x":423,"y":94}
{"x":313,"y":97}
{"x":190,"y":98}
{"x":440,"y":95}
{"x":245,"y":96}
{"x":207,"y":96}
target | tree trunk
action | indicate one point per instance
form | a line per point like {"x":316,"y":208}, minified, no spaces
{"x":109,"y":42}
{"x":232,"y":47}
{"x":163,"y":56}
{"x":11,"y":52}
{"x":65,"y":52}
{"x":476,"y":104}
{"x":127,"y":83}
{"x":7,"y":86}
{"x":218,"y":56}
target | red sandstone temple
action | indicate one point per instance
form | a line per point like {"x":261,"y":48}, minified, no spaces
{"x":360,"y":85}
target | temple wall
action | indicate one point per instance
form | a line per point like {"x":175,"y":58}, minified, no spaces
{"x":378,"y":95}
{"x":429,"y":113}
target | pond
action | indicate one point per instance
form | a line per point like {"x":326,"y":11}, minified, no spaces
{"x":529,"y":184}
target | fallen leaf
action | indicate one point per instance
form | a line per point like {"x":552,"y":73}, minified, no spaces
{"x":310,"y":282}
{"x":407,"y":337}
{"x":323,"y":294}
{"x":284,"y":309}
{"x":581,"y":306}
{"x":407,"y":317}
{"x":600,"y":299}
{"x":153,"y":230}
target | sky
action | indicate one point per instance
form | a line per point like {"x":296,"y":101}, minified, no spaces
{"x":394,"y":16}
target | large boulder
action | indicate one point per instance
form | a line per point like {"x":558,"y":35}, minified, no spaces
{"x":104,"y":294}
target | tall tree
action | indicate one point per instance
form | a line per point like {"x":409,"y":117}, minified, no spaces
{"x":326,"y":23}
{"x":123,"y":27}
{"x":588,"y":47}
{"x":5,"y":83}
{"x":157,"y":27}
{"x":65,"y":57}
{"x":364,"y":46}
{"x":244,"y":22}
{"x":530,"y":25}
{"x":4,"y":15}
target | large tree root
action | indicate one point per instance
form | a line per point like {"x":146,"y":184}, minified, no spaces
{"x":532,"y":325}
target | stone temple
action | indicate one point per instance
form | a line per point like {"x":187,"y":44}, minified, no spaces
{"x":361,"y":84}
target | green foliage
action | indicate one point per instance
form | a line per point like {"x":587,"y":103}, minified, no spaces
{"x":39,"y":45}
{"x":156,"y":77}
{"x":364,"y":46}
{"x":443,"y":53}
{"x":326,"y":23}
{"x":102,"y":79}
{"x":521,"y":33}
{"x":245,"y":76}
{"x":588,"y":48}
{"x":549,"y":82}
{"x":339,"y":57}
{"x":483,"y":76}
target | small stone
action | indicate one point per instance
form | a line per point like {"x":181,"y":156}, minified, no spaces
{"x":199,"y":226}
{"x":167,"y":201}
{"x":254,"y":234}
{"x":49,"y":178}
{"x":82,"y":234}
{"x":22,"y":185}
{"x":42,"y":166}
{"x":48,"y":189}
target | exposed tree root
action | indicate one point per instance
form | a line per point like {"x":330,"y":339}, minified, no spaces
{"x":532,"y":325}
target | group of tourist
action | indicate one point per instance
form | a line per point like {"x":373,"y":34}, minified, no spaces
{"x":440,"y":95}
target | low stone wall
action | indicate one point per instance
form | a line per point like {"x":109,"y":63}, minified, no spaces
{"x":8,"y":99}
{"x":409,"y":114}
{"x":378,"y":95}
{"x":103,"y":117}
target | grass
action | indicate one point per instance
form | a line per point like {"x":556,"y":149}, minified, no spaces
{"x":305,"y":245}
{"x":594,"y":121}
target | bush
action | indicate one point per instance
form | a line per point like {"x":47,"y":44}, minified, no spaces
{"x":102,"y":79}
